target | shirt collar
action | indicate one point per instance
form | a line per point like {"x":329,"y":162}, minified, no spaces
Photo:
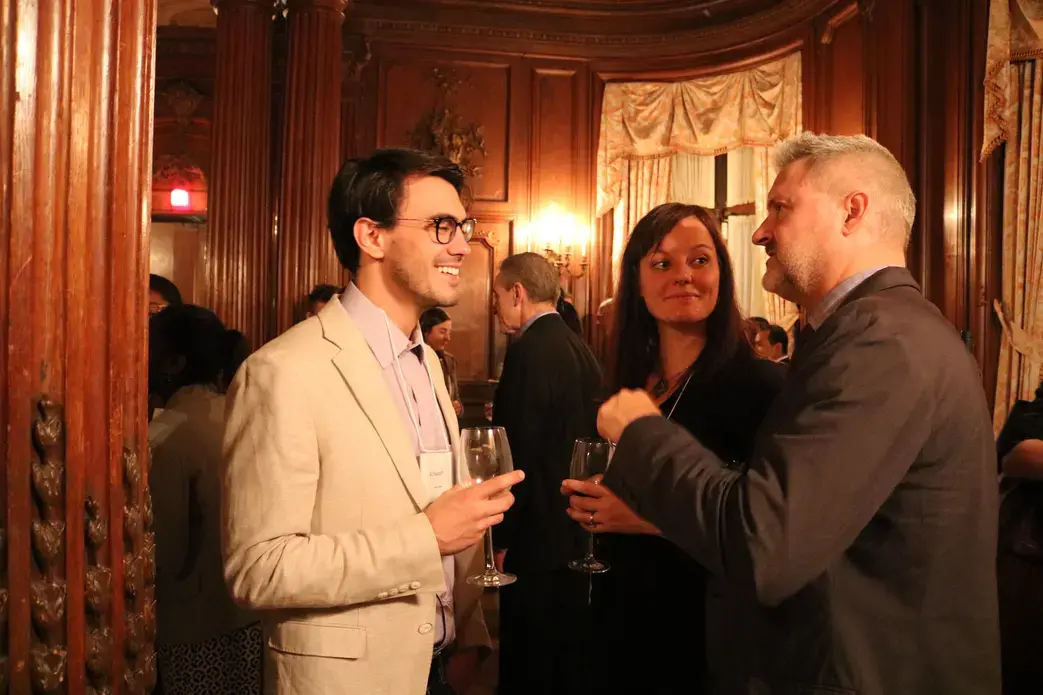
{"x":374,"y":324}
{"x":533,"y":319}
{"x":836,"y":296}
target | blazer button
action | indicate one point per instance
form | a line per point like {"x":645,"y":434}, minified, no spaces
{"x":425,"y":628}
{"x":382,"y":595}
{"x":414,"y":585}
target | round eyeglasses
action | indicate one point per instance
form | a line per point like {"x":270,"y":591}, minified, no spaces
{"x":445,"y":227}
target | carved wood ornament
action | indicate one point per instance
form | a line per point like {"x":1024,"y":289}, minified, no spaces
{"x":139,"y":579}
{"x":48,"y":590}
{"x":443,"y":130}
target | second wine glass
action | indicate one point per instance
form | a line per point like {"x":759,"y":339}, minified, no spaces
{"x":590,"y":457}
{"x":487,"y":454}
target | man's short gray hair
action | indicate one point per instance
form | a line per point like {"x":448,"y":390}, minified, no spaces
{"x":533,"y":272}
{"x":875,"y":165}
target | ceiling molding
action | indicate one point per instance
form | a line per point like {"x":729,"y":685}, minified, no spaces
{"x":604,"y":8}
{"x":489,"y":32}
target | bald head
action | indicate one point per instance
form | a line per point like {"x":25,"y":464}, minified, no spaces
{"x":843,"y":164}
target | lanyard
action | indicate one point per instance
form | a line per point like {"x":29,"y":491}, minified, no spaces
{"x":407,"y":398}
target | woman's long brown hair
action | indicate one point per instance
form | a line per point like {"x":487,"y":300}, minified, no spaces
{"x":634,"y":343}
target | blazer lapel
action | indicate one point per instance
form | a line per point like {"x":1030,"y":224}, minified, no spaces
{"x":363,"y":376}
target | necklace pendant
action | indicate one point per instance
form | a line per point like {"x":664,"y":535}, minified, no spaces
{"x":659,"y":388}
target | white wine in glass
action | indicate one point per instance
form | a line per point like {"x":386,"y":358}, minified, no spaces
{"x":590,"y":457}
{"x":487,"y":454}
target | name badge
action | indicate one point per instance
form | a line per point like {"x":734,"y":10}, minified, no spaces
{"x":436,"y":470}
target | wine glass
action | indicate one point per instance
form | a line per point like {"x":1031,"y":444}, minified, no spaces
{"x":487,"y":454}
{"x":590,"y":457}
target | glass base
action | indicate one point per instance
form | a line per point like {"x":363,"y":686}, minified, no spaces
{"x":492,"y":580}
{"x":590,"y":565}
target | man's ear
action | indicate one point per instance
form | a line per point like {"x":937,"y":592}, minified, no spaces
{"x":856,"y":207}
{"x":519,"y":293}
{"x":370,"y":238}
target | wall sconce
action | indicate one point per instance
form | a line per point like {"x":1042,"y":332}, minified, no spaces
{"x":561,"y":239}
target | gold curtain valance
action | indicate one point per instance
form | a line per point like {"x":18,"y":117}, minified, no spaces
{"x":703,"y":116}
{"x":1015,"y":34}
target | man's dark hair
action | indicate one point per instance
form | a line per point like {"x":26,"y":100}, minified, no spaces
{"x":211,"y":352}
{"x":777,"y":336}
{"x":431,"y":318}
{"x":323,"y":293}
{"x":165,"y":288}
{"x":762,"y":323}
{"x":372,"y":187}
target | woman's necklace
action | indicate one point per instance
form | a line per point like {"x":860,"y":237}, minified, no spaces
{"x":663,"y":385}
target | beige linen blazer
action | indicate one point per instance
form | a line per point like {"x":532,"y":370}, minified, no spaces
{"x":323,"y":530}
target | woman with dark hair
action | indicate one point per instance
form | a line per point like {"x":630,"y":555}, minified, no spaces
{"x":437,"y":329}
{"x":679,"y":335}
{"x":568,"y":312}
{"x":205,"y":643}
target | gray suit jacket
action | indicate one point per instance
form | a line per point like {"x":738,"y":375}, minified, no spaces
{"x":860,"y":542}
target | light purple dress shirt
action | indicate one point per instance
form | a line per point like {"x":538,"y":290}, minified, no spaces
{"x":835,"y":297}
{"x":374,"y":325}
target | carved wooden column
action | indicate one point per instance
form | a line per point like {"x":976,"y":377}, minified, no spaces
{"x":310,"y":152}
{"x":76,"y":562}
{"x":239,"y":217}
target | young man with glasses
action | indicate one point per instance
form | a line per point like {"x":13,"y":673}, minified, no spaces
{"x":346,"y":523}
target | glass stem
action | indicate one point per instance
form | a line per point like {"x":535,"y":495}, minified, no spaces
{"x":590,"y":545}
{"x":490,"y":557}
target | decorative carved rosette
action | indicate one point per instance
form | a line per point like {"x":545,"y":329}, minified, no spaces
{"x":97,"y":599}
{"x":48,"y":590}
{"x":139,"y":578}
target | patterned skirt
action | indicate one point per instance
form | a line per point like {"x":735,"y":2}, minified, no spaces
{"x":225,"y":665}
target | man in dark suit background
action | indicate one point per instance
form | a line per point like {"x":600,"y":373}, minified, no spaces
{"x":861,"y":536}
{"x":547,"y":397}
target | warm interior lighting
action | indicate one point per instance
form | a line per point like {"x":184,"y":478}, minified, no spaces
{"x":562,"y":238}
{"x":179,"y":198}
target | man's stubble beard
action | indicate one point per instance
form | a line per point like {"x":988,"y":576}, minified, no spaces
{"x":418,"y":284}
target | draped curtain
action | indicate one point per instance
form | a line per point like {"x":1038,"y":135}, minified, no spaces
{"x":1014,"y":115}
{"x":747,"y":259}
{"x":647,"y":184}
{"x":658,"y":140}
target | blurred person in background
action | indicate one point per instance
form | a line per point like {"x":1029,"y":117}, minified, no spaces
{"x":205,"y":643}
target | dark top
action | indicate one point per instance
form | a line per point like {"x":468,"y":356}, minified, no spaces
{"x":448,"y":363}
{"x":862,"y":535}
{"x":650,"y":608}
{"x":1025,"y":421}
{"x":569,"y":315}
{"x":548,"y":396}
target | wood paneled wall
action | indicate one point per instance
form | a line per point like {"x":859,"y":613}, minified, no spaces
{"x":907,"y":72}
